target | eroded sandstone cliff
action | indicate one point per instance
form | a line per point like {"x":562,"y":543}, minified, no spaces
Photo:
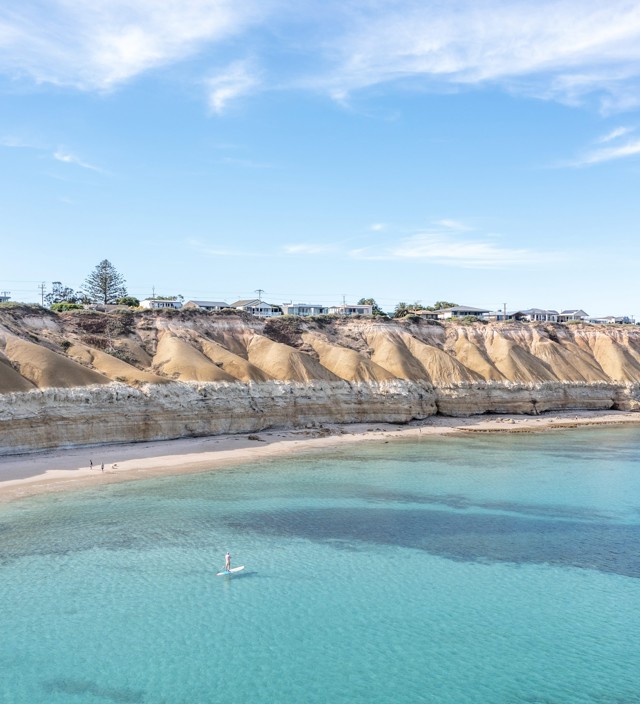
{"x":90,"y":377}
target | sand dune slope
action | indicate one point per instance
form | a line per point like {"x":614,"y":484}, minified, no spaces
{"x":345,"y":363}
{"x":47,"y":369}
{"x":10,"y":380}
{"x":177,"y":359}
{"x":391,"y":353}
{"x":135,"y":351}
{"x":618,"y":363}
{"x":233,"y":364}
{"x":566,"y":359}
{"x":515,"y":362}
{"x":286,"y":363}
{"x":442,"y":368}
{"x":469,"y":349}
{"x":114,"y":368}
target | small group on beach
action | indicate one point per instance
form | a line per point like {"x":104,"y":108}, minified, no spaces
{"x":113,"y":466}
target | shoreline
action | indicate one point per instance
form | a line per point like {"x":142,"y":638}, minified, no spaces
{"x":46,"y":472}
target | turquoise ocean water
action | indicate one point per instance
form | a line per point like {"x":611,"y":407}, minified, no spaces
{"x":446,"y":570}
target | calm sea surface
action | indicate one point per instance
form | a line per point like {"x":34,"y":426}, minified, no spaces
{"x":447,"y":570}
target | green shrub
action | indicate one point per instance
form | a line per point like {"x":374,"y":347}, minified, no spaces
{"x":63,"y":306}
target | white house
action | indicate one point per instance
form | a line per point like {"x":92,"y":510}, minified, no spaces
{"x":539,"y":314}
{"x":355,"y":309}
{"x":207,"y":305}
{"x":613,"y":319}
{"x":257,"y":307}
{"x":501,"y":315}
{"x":572,"y":314}
{"x":426,"y":314}
{"x":157,"y":303}
{"x":4,"y":296}
{"x":458,"y":312}
{"x":303,"y":309}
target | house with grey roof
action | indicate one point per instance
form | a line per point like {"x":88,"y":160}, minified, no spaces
{"x":158,"y":303}
{"x":303,"y":309}
{"x":612,"y":320}
{"x":351,"y":309}
{"x":257,"y":307}
{"x":501,"y":315}
{"x":207,"y":305}
{"x":540,"y":314}
{"x":572,"y":314}
{"x":455,"y":312}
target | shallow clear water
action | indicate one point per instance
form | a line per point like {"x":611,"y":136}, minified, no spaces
{"x":447,"y":570}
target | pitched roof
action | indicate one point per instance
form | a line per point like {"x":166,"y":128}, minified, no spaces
{"x":220,"y":304}
{"x":531,"y":311}
{"x":455,"y":309}
{"x":254,"y":303}
{"x":245,"y":302}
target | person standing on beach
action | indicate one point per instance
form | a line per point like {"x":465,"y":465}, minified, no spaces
{"x":102,"y":466}
{"x":90,"y":464}
{"x":227,"y":562}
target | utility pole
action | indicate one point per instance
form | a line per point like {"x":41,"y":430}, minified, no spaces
{"x":504,"y":309}
{"x":259,"y":291}
{"x":42,"y":288}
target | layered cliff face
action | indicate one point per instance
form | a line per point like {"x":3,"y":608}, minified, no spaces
{"x":89,"y":377}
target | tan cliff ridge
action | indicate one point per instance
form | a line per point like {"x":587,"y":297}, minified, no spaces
{"x":86,"y":377}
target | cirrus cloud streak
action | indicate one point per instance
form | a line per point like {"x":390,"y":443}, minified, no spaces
{"x":565,"y":50}
{"x":447,"y":249}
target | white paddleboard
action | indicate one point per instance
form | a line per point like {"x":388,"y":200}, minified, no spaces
{"x":233,"y":570}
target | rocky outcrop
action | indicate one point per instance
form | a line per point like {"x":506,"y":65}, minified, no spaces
{"x":86,"y":378}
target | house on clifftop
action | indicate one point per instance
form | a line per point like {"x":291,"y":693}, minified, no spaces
{"x":351,"y":309}
{"x":303,"y":309}
{"x":572,"y":314}
{"x":258,"y":308}
{"x":207,"y":305}
{"x":453,"y":312}
{"x":157,"y":303}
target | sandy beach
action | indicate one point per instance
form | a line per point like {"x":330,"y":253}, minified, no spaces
{"x":62,"y":470}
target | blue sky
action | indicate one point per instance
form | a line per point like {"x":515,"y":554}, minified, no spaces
{"x":475,"y":151}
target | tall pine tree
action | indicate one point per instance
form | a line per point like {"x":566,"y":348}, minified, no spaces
{"x":105,"y":284}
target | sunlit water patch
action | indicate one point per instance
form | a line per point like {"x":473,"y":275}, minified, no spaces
{"x":496,"y":569}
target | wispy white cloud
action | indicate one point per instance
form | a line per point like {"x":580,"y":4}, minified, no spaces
{"x":215,"y":250}
{"x":445,"y":243}
{"x":61,"y":154}
{"x":615,"y":134}
{"x":66,"y":158}
{"x":377,"y":226}
{"x":566,"y":50}
{"x":455,"y":225}
{"x":246,"y":163}
{"x":309,"y":248}
{"x":12,"y":142}
{"x":598,"y":156}
{"x":449,"y":249}
{"x":99,"y":44}
{"x":238,"y":79}
{"x":615,"y":144}
{"x":560,"y":49}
